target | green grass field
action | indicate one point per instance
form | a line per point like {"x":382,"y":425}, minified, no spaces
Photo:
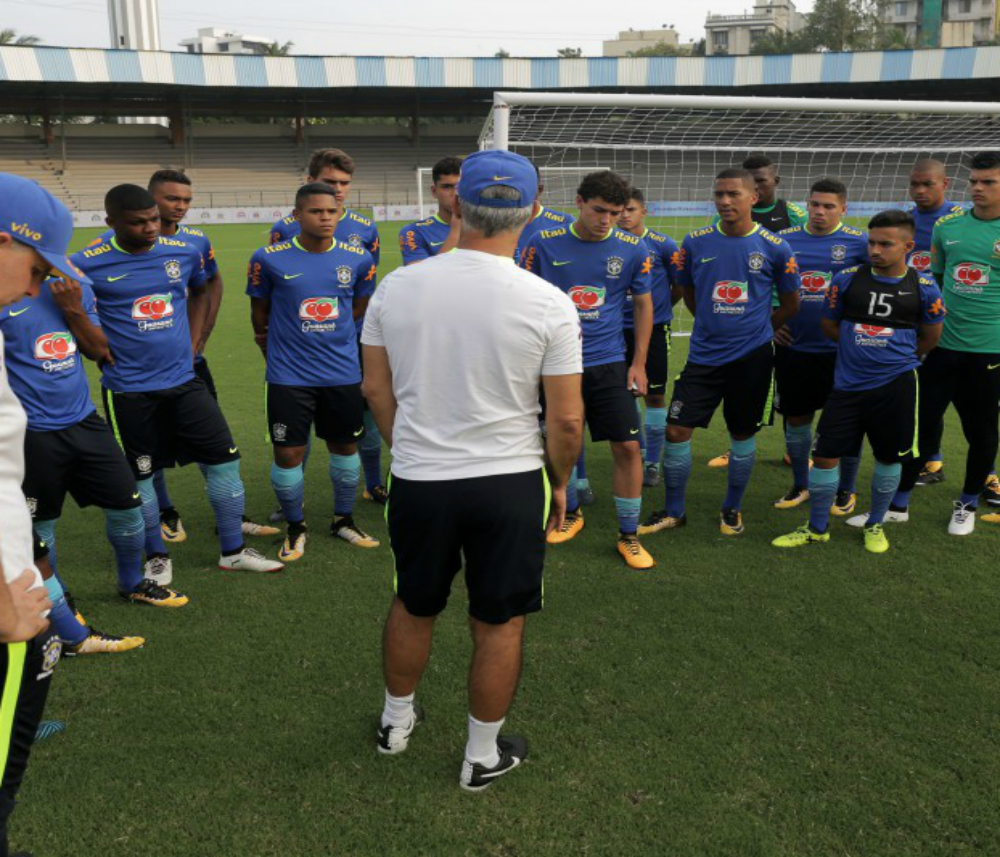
{"x":733,"y":701}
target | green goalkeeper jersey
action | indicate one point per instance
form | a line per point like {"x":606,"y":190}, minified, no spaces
{"x":965,"y":260}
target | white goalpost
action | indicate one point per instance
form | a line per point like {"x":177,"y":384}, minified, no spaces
{"x":672,"y":146}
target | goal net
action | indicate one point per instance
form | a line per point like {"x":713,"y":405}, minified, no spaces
{"x":672,"y":146}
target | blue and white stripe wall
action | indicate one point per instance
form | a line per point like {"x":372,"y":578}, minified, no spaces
{"x":85,"y":65}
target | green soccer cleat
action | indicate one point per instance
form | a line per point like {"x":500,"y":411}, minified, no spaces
{"x":875,"y":540}
{"x":804,"y":535}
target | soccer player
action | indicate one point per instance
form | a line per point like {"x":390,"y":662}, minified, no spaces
{"x":885,"y":317}
{"x":666,"y":292}
{"x":438,"y":233}
{"x":68,"y":447}
{"x":597,"y":265}
{"x":148,"y":291}
{"x":804,"y":358}
{"x":305,"y":295}
{"x":929,"y":184}
{"x":965,"y":369}
{"x":729,"y":272}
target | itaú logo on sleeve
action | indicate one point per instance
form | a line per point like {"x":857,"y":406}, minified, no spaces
{"x":319,"y":314}
{"x":730,"y":297}
{"x":920,"y":261}
{"x":815,"y":285}
{"x":154,"y":312}
{"x":56,"y":351}
{"x":588,"y":300}
{"x":872,"y":336}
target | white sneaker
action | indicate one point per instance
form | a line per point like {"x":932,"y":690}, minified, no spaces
{"x":159,"y":569}
{"x":394,"y":739}
{"x":891,"y":517}
{"x":963,"y":519}
{"x":248,"y":560}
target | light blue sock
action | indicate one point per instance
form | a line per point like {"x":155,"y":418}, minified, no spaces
{"x":642,"y":436}
{"x":676,"y":470}
{"x":798,"y":442}
{"x":885,"y":481}
{"x":46,"y":531}
{"x":66,"y":625}
{"x":572,"y":498}
{"x":822,"y":493}
{"x":628,"y":510}
{"x":849,"y":466}
{"x":153,"y":539}
{"x":345,"y":474}
{"x":289,"y":486}
{"x":227,"y":498}
{"x":742,"y":454}
{"x":162,"y":494}
{"x":656,"y":431}
{"x":126,"y":532}
{"x":370,"y":449}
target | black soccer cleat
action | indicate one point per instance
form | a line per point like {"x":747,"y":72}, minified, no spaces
{"x":475,"y":777}
{"x":394,"y":739}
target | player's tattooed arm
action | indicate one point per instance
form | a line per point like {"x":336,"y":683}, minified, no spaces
{"x":260,"y":315}
{"x":90,"y":338}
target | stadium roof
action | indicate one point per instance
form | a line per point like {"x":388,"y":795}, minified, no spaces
{"x":120,"y":80}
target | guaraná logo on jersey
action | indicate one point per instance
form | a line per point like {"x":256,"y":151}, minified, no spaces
{"x":970,"y":277}
{"x":319,"y":314}
{"x":920,"y":261}
{"x":871,"y":335}
{"x":730,"y":297}
{"x":815,"y":285}
{"x":616,"y":264}
{"x":173,"y":269}
{"x":55,"y":346}
{"x":154,"y":312}
{"x":587,"y":300}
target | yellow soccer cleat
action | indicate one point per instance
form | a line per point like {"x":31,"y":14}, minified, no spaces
{"x":150,"y":592}
{"x":661,"y":521}
{"x":295,"y":543}
{"x":720,"y":460}
{"x":98,"y":643}
{"x":730,"y":522}
{"x":250,"y":528}
{"x":804,"y":535}
{"x":991,"y":491}
{"x":634,"y":554}
{"x":171,"y":527}
{"x":345,"y":528}
{"x":794,"y":498}
{"x":379,"y":494}
{"x":875,"y":540}
{"x":844,"y":504}
{"x":572,"y":524}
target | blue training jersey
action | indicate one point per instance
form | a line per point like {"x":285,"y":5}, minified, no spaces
{"x":311,"y":336}
{"x":43,"y":364}
{"x":733,"y":279}
{"x":920,"y":258}
{"x":423,"y":239}
{"x":352,"y":228}
{"x":547,"y":218}
{"x":869,"y":355}
{"x":142,"y":304}
{"x":662,"y":278}
{"x":597,"y":276}
{"x":184,"y":233}
{"x":820,"y":257}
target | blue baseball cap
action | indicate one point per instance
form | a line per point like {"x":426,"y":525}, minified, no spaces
{"x":496,"y":167}
{"x":33,"y":216}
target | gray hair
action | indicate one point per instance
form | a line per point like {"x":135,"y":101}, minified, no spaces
{"x":492,"y":221}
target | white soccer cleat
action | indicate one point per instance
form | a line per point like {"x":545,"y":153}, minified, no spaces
{"x":159,"y":569}
{"x":963,"y":519}
{"x":891,"y":517}
{"x":249,"y":560}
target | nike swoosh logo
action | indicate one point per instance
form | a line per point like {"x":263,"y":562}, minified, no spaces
{"x":557,"y":264}
{"x":233,"y":449}
{"x":359,"y":432}
{"x":116,"y":279}
{"x":709,"y":259}
{"x":13,"y":314}
{"x":949,"y":243}
{"x":136,"y":496}
{"x":633,"y":431}
{"x":501,"y":178}
{"x":436,"y":243}
{"x":988,"y":368}
{"x":292,"y":276}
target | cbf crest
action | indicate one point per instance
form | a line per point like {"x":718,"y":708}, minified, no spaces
{"x":838,"y":252}
{"x":173,"y":269}
{"x":756,"y":261}
{"x":615,"y":266}
{"x":355,"y":240}
{"x":344,"y":275}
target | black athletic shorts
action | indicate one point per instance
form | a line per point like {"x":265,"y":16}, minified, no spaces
{"x":803,"y":380}
{"x":83,"y":460}
{"x":745,"y":387}
{"x":338,"y":413}
{"x":497,"y":523}
{"x":202,"y":370}
{"x":163,"y":428}
{"x":608,"y":405}
{"x":886,"y":415}
{"x":657,"y":358}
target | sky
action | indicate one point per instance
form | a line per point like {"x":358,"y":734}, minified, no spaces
{"x":382,"y":27}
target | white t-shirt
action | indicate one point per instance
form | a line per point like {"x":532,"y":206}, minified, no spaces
{"x":15,"y":520}
{"x":468,"y":336}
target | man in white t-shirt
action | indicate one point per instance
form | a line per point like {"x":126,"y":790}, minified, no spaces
{"x":35,"y":230}
{"x":455,"y":352}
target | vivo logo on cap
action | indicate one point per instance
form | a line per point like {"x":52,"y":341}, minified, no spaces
{"x":26,"y":231}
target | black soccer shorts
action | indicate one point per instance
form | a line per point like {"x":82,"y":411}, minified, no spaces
{"x":337,"y":412}
{"x":657,"y":358}
{"x":804,"y":380}
{"x":608,"y":404}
